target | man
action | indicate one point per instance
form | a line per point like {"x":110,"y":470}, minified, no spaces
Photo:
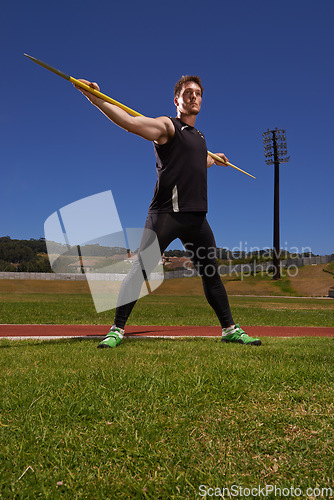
{"x":179,"y":205}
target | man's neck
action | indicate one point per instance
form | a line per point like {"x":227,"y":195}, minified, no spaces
{"x":188,"y":119}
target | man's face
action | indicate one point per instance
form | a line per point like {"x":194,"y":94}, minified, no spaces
{"x":190,"y":99}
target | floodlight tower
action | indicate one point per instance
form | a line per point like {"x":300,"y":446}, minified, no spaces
{"x":275,"y":152}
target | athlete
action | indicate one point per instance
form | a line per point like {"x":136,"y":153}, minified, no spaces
{"x":179,"y":205}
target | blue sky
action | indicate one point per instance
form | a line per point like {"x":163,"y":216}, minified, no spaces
{"x":263,"y":65}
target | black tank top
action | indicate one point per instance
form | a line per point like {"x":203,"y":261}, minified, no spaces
{"x":182,"y":172}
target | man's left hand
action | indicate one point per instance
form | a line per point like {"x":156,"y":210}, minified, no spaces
{"x":211,"y":161}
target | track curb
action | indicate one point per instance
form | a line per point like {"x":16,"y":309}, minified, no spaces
{"x":150,"y":331}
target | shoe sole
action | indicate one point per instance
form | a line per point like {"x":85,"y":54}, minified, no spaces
{"x":256,"y":342}
{"x":106,"y":346}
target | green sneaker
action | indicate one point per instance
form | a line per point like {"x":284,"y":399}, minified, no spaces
{"x":237,"y":335}
{"x":113,"y":339}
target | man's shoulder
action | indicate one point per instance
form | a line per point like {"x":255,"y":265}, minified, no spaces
{"x":169,"y":125}
{"x":166,"y":119}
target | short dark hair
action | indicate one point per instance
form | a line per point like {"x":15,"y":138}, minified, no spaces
{"x":184,"y":79}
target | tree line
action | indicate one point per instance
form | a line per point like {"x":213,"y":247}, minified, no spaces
{"x":224,"y":255}
{"x":24,"y":255}
{"x":31,"y":255}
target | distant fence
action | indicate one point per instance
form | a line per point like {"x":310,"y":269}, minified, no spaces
{"x":70,"y":276}
{"x":182,"y":273}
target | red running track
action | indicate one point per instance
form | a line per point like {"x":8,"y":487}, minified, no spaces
{"x":61,"y":331}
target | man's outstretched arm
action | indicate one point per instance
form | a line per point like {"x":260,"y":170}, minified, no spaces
{"x":159,"y":130}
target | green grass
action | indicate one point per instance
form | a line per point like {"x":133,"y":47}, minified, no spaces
{"x":175,"y":302}
{"x":249,"y":311}
{"x":158,"y":418}
{"x":155,"y":419}
{"x":63,"y":308}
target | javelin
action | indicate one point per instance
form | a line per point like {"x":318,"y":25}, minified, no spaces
{"x":112,"y":101}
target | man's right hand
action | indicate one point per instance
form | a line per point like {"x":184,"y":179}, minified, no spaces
{"x":91,"y":97}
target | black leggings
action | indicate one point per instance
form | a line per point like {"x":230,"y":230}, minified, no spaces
{"x":196,"y":235}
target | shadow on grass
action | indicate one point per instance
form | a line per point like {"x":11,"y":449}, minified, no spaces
{"x":6,"y":343}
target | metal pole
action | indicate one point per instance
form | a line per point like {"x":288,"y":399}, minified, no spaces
{"x":276,"y":259}
{"x":275,"y":152}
